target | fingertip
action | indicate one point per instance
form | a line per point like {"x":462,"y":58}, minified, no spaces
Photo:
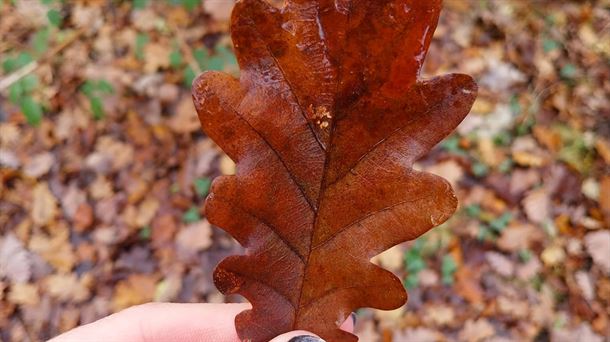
{"x":298,"y":336}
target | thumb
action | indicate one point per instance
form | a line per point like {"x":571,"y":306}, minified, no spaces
{"x":298,"y":336}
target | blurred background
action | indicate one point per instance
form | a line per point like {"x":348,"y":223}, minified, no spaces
{"x":104,"y":170}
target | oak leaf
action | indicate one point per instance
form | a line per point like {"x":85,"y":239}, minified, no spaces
{"x":324,"y":125}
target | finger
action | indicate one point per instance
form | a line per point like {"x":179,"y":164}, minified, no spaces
{"x":162,"y":322}
{"x":305,"y":336}
{"x":298,"y":336}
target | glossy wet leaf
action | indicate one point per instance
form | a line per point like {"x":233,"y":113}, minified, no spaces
{"x":324,"y":125}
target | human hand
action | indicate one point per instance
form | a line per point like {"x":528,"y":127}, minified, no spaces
{"x":174,"y":322}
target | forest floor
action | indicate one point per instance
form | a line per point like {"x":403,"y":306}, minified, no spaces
{"x":104,"y":170}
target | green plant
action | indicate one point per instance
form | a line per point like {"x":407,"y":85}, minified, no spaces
{"x":94,"y":90}
{"x":414,"y":263}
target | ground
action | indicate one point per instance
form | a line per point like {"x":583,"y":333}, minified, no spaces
{"x":104,"y":170}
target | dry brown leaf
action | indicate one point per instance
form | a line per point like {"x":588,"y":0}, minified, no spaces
{"x":136,"y":289}
{"x":83,"y":218}
{"x":512,"y":307}
{"x":439,"y":315}
{"x":537,"y":205}
{"x":39,"y":165}
{"x":194,"y":238}
{"x":146,"y":211}
{"x":71,"y":199}
{"x":44,"y":205}
{"x":553,"y":255}
{"x":156,"y":56}
{"x":168,"y":288}
{"x":68,"y":288}
{"x":584,"y":282}
{"x":518,"y":236}
{"x":467,"y":284}
{"x":500,"y":264}
{"x":101,"y":188}
{"x":530,"y":269}
{"x":604,"y":198}
{"x":392,"y":259}
{"x":367,"y":331}
{"x":185,"y":118}
{"x":119,"y":153}
{"x":419,"y":334}
{"x":476,"y":331}
{"x":603,"y":148}
{"x":581,"y":333}
{"x":56,"y":250}
{"x":24,"y":294}
{"x":598,"y":246}
{"x":450,"y":170}
{"x":15,"y":260}
{"x":219,"y":9}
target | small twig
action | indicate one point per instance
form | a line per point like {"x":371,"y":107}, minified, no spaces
{"x":33,"y":65}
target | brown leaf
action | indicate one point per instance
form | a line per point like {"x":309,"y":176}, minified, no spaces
{"x":519,"y":236}
{"x":83,"y":218}
{"x":194,"y":238}
{"x":44,"y":205}
{"x":69,"y":288}
{"x":598,"y":246}
{"x":500,"y":264}
{"x":136,"y":289}
{"x":475,"y":331}
{"x":324,"y":125}
{"x":537,"y":205}
{"x":39,"y":165}
{"x":24,"y":294}
{"x":56,"y":250}
{"x":15,"y":260}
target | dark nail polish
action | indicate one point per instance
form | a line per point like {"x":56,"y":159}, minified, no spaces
{"x":305,"y":338}
{"x":353,"y":315}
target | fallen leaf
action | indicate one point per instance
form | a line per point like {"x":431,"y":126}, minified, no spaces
{"x":101,"y":188}
{"x":367,"y":331}
{"x":24,"y":294}
{"x":184,"y":119}
{"x":500,"y":264}
{"x":476,"y":330}
{"x":518,"y":236}
{"x":467,"y":284}
{"x":15,"y":260}
{"x":581,"y":333}
{"x":530,"y":269}
{"x":146,"y":211}
{"x":537,"y":205}
{"x":439,"y":315}
{"x":44,"y":205}
{"x":168,"y":289}
{"x":72,"y":199}
{"x":598,"y":247}
{"x":450,"y":170}
{"x":392,"y":259}
{"x":553,"y":255}
{"x":156,"y":56}
{"x":194,"y":238}
{"x":68,"y":288}
{"x":83,"y":218}
{"x":419,"y":334}
{"x":584,"y":282}
{"x":136,"y":289}
{"x":39,"y":165}
{"x":56,"y":250}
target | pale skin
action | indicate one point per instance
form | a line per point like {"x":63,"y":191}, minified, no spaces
{"x":170,"y":322}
